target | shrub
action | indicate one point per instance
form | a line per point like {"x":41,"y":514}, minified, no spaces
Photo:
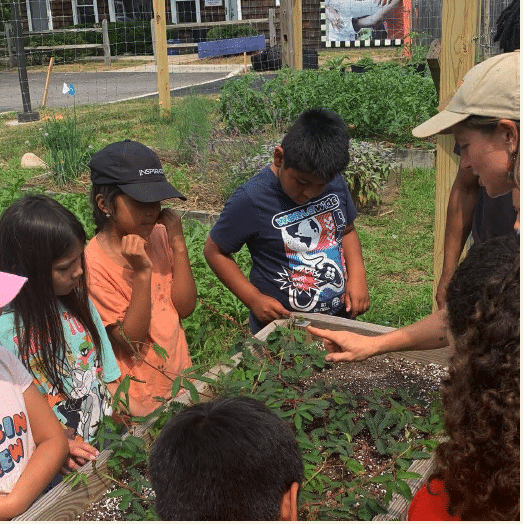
{"x":130,"y":37}
{"x":368,"y":170}
{"x":385,"y":103}
{"x":230,"y":31}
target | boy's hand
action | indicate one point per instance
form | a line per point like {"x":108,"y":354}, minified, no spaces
{"x":357,"y":299}
{"x":80,"y":452}
{"x":133,"y":250}
{"x":266,"y":309}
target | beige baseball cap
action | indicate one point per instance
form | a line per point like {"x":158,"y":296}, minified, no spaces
{"x":490,"y":88}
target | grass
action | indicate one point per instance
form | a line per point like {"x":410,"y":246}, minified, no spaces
{"x":397,"y":239}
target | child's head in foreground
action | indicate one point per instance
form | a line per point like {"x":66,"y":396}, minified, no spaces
{"x":228,"y":459}
{"x":128,"y":186}
{"x":314,"y":150}
{"x":480,"y":463}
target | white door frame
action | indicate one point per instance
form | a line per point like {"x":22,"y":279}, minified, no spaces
{"x":30,"y":16}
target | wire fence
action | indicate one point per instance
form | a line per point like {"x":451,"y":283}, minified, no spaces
{"x":105,"y":49}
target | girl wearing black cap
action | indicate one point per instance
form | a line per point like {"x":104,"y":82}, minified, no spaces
{"x":139,"y":276}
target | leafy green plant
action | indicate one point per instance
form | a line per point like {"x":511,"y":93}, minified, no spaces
{"x":385,"y":103}
{"x":67,"y":146}
{"x":416,"y":47}
{"x":330,"y":424}
{"x":368,"y":170}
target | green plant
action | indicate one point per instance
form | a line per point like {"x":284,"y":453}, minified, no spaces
{"x":385,"y":103}
{"x":67,"y":145}
{"x":230,"y":31}
{"x":330,"y":423}
{"x":187,"y":130}
{"x":133,"y":38}
{"x":368,"y":170}
{"x":366,"y":61}
{"x":416,"y":47}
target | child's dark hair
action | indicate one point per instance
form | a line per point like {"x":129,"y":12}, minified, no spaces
{"x":228,"y":459}
{"x":507,"y":27}
{"x":110,"y":192}
{"x":318,"y":144}
{"x":36,"y":231}
{"x":479,"y":464}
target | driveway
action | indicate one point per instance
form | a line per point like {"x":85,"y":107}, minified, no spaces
{"x":105,"y":87}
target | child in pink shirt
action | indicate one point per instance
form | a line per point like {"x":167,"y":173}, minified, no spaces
{"x":139,"y":274}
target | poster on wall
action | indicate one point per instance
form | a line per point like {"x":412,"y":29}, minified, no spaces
{"x":213,"y":3}
{"x":364,"y":22}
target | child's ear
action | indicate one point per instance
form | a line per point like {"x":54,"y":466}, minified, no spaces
{"x":278,"y":156}
{"x":101,"y":202}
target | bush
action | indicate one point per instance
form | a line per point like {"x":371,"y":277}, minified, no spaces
{"x":230,"y":31}
{"x":130,"y":37}
{"x":385,"y":103}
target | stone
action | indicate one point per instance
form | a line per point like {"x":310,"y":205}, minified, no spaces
{"x":31,"y":160}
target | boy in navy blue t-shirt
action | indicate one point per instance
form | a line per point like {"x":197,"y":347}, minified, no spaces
{"x":297,"y":218}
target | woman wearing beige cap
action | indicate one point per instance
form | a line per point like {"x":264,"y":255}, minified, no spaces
{"x":484,"y":117}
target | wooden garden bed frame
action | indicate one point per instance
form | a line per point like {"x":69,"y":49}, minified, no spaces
{"x":65,"y":503}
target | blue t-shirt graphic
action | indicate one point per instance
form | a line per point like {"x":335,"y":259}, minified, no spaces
{"x":296,"y":250}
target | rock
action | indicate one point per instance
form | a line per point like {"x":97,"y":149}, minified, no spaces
{"x":31,"y":160}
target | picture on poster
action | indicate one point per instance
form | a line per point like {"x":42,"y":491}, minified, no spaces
{"x":353,"y":20}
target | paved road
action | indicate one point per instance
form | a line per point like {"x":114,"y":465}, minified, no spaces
{"x":101,"y":87}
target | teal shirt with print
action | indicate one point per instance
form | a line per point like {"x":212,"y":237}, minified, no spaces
{"x":83,"y":377}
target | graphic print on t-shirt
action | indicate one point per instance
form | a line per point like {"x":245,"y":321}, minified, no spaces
{"x":11,"y":445}
{"x":312,"y":235}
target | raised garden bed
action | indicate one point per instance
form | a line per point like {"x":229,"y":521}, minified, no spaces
{"x":66,"y":503}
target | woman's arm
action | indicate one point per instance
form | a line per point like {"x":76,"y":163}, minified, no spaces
{"x":50,"y":453}
{"x":428,"y":333}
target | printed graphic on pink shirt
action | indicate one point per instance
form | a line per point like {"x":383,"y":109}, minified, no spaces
{"x":12,"y":427}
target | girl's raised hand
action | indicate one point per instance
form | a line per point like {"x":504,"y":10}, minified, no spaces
{"x":172,"y":222}
{"x":133,"y":250}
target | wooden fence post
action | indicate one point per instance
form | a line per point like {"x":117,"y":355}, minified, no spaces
{"x":162,"y":62}
{"x":272,"y":27}
{"x":154,"y":41}
{"x":8,"y":28}
{"x":106,"y":44}
{"x":459,"y":23}
{"x":291,"y":33}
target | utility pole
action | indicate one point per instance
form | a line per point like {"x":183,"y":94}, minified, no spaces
{"x":27,"y":115}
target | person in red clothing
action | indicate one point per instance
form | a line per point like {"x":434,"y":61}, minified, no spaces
{"x":477,"y":469}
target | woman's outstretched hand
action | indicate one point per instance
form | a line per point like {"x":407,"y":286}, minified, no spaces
{"x":344,"y":346}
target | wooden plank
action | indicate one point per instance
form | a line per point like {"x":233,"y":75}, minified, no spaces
{"x":59,"y":31}
{"x":162,"y":61}
{"x":231,"y":46}
{"x":203,"y":25}
{"x":65,"y":46}
{"x":433,"y":62}
{"x":459,"y":20}
{"x":106,"y":43}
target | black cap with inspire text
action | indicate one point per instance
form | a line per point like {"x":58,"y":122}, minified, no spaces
{"x":135,"y":169}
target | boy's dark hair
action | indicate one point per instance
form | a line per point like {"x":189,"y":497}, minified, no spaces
{"x":110,"y":192}
{"x":36,"y":231}
{"x":507,"y":26}
{"x":228,"y":459}
{"x":318,"y":144}
{"x":479,"y":464}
